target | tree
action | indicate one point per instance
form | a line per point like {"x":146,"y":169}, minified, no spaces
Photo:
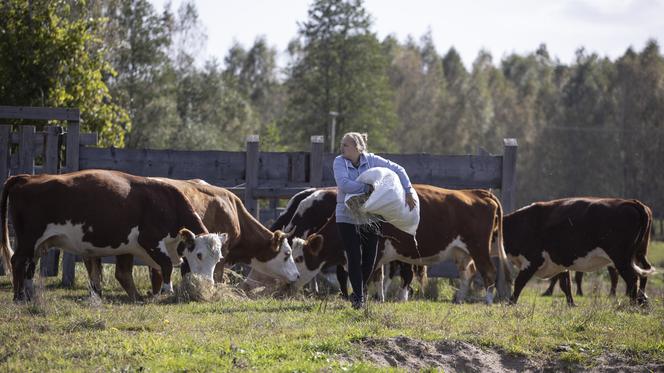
{"x":340,"y":68}
{"x":49,"y":56}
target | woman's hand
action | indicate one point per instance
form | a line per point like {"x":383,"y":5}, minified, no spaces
{"x":410,"y":201}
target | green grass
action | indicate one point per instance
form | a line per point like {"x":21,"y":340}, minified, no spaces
{"x":64,"y":330}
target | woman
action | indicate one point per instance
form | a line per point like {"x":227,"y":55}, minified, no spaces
{"x":360,"y":242}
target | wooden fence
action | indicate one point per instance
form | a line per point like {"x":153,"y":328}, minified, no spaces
{"x":253,"y":175}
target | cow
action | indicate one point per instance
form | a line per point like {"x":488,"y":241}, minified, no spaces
{"x":580,"y":234}
{"x":462,"y":225}
{"x":98,"y":213}
{"x":308,"y":211}
{"x":578,"y":279}
{"x":248,"y":241}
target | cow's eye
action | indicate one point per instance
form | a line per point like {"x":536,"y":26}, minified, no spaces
{"x":199,"y":256}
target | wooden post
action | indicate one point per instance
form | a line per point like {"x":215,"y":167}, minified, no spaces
{"x":73,"y":144}
{"x":316,"y":161}
{"x":508,"y":187}
{"x":5,"y":145}
{"x":26,"y":150}
{"x":49,"y":263}
{"x":51,"y":150}
{"x":274,"y":203}
{"x":251,"y":176}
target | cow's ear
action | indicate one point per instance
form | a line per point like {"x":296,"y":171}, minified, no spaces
{"x":277,"y":239}
{"x":315,"y":244}
{"x":187,"y":237}
{"x":223,"y":237}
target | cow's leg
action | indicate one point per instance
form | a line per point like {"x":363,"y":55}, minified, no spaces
{"x":29,"y":285}
{"x":94,"y":268}
{"x":565,"y":284}
{"x":18,"y":274}
{"x":378,"y":278}
{"x":629,"y":275}
{"x":406,"y":272}
{"x":467,"y":271}
{"x":521,"y":280}
{"x":124,"y":265}
{"x":488,"y":272}
{"x":552,"y":284}
{"x":156,"y":280}
{"x":613,"y":276}
{"x":342,"y":277}
{"x":578,"y":278}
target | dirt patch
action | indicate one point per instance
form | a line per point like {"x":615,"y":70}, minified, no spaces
{"x":457,"y":356}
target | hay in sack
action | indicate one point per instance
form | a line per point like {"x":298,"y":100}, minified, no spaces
{"x":387,"y":202}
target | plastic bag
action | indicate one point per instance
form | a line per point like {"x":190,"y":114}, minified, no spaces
{"x":386,"y":203}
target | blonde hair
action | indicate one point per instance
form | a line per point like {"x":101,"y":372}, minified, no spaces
{"x":360,"y":140}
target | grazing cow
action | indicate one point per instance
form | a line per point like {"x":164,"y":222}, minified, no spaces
{"x":248,"y":241}
{"x":285,"y":217}
{"x":578,"y":279}
{"x":98,"y":213}
{"x":580,"y":234}
{"x":458,"y":225}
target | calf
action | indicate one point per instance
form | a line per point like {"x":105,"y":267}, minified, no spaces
{"x":248,"y":241}
{"x":98,"y":213}
{"x":580,"y":234}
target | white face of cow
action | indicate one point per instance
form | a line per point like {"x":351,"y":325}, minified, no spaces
{"x":204,"y":252}
{"x":305,"y":273}
{"x":281,"y":266}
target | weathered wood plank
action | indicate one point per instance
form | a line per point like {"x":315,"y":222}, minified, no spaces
{"x":211,"y":166}
{"x":5,"y":134}
{"x":273,"y":166}
{"x":73,"y":145}
{"x":251,"y":177}
{"x":316,"y":161}
{"x":51,"y":150}
{"x":448,"y":171}
{"x":298,"y":167}
{"x":38,"y":113}
{"x":26,"y":150}
{"x":508,"y":185}
{"x":446,"y":269}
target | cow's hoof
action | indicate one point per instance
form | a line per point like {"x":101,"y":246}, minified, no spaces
{"x":547,"y":293}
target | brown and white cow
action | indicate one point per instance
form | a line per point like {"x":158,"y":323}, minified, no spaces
{"x":580,"y":234}
{"x":97,"y":213}
{"x":454,"y":224}
{"x":307,"y":212}
{"x":248,"y":241}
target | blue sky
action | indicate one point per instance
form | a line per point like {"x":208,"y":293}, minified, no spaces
{"x":607,"y":27}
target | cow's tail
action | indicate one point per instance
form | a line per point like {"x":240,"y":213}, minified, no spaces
{"x":498,"y":249}
{"x":639,"y":261}
{"x":5,"y":247}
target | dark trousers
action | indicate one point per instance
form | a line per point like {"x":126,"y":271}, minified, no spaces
{"x":361,"y":249}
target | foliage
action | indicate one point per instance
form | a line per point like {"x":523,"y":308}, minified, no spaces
{"x":51,"y":56}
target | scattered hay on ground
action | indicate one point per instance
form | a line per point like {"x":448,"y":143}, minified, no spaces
{"x":196,"y":288}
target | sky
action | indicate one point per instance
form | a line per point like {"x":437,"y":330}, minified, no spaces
{"x":502,"y":27}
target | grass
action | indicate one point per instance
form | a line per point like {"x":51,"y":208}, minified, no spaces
{"x":64,"y":330}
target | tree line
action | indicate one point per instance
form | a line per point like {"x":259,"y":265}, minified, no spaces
{"x":590,"y":127}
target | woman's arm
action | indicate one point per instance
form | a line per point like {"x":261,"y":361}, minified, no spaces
{"x":400,"y":171}
{"x":344,"y":182}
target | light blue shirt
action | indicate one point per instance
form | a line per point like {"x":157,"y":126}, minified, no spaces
{"x":345,"y":174}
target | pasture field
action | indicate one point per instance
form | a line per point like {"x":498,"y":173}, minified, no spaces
{"x":66,"y":330}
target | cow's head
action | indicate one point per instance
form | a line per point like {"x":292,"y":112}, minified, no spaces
{"x":306,"y":252}
{"x":281,"y":265}
{"x":203,"y":252}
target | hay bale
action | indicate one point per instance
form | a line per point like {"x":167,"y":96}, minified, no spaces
{"x":197,"y":288}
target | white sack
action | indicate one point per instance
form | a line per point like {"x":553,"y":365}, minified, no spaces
{"x":387,"y":200}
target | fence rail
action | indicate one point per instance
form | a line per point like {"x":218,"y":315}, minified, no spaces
{"x":251,"y":174}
